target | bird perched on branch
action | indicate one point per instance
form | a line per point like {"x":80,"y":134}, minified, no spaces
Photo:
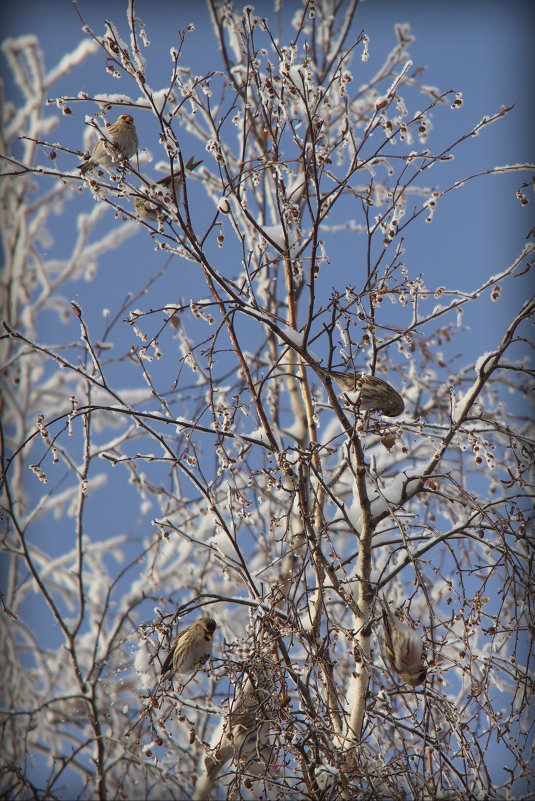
{"x":191,"y":648}
{"x":190,"y":165}
{"x":119,"y":142}
{"x":246,"y":737}
{"x":404,"y":649}
{"x":147,"y":210}
{"x":374,"y":394}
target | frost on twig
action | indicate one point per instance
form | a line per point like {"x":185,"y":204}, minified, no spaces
{"x":174,"y":446}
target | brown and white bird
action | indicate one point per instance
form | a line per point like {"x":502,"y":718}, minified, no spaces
{"x":119,"y":142}
{"x":404,"y":649}
{"x":147,"y":210}
{"x":247,"y":728}
{"x":191,"y":648}
{"x":373,"y":394}
{"x":166,"y":181}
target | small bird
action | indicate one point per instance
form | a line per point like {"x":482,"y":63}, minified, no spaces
{"x":145,"y":209}
{"x":119,"y":142}
{"x":404,"y":649}
{"x":246,"y":729}
{"x":374,"y":394}
{"x":191,"y":648}
{"x":167,"y":179}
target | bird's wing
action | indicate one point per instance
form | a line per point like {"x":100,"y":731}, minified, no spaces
{"x":168,"y":664}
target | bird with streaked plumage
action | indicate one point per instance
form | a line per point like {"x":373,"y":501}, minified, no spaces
{"x":191,"y":648}
{"x":118,"y":143}
{"x":404,"y":649}
{"x":150,"y":211}
{"x":373,"y":394}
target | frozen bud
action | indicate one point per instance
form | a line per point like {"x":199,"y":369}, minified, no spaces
{"x":388,"y":441}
